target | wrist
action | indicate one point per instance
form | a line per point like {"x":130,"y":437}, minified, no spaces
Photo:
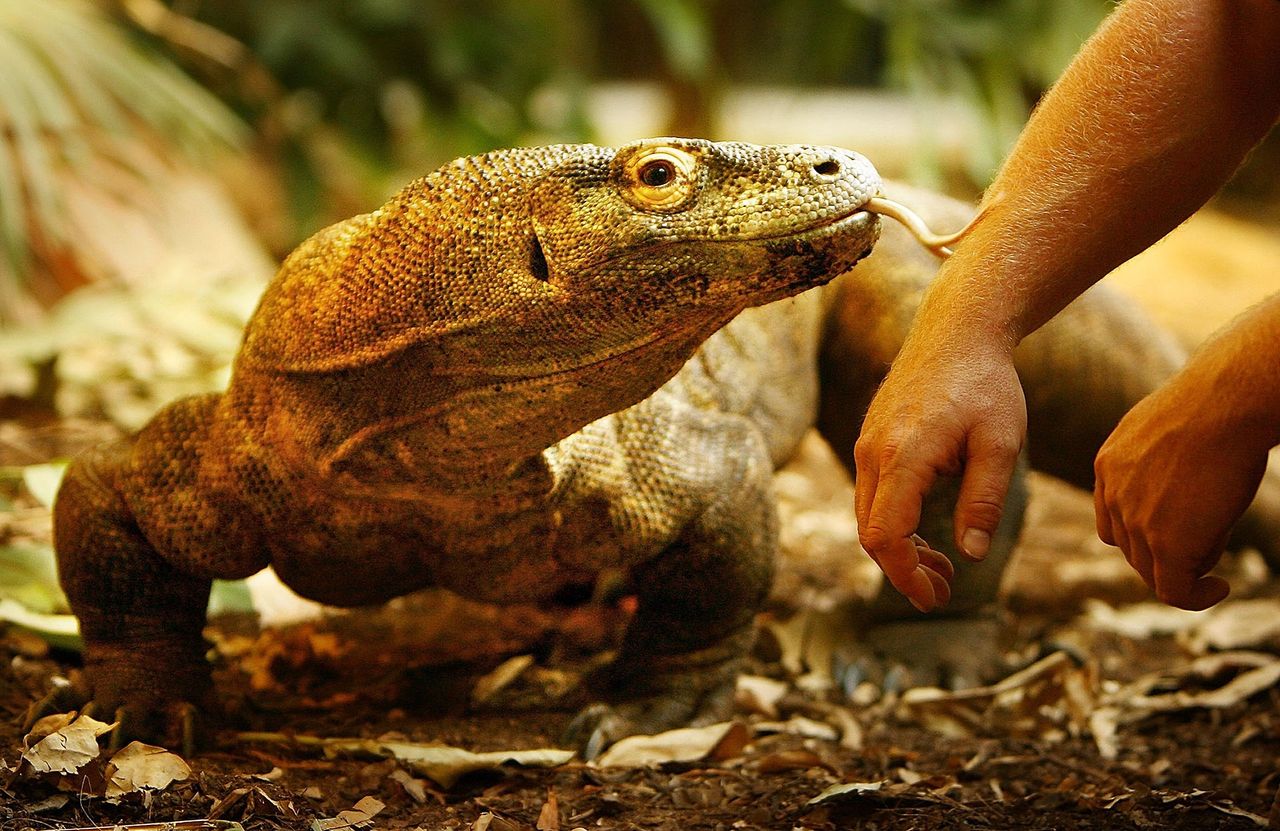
{"x":961,"y":313}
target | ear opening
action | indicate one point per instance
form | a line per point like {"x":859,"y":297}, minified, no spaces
{"x":538,"y":261}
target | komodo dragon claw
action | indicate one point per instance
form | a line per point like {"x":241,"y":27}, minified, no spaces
{"x":131,"y":724}
{"x":652,"y":700}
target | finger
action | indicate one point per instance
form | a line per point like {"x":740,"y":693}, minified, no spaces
{"x":900,"y":563}
{"x":987,"y":472}
{"x":1202,"y":593}
{"x":937,"y":568}
{"x":1188,"y":586}
{"x":941,"y":589}
{"x":895,"y":509}
{"x":1102,"y":514}
{"x":1137,"y":558}
{"x":1138,"y":553}
{"x":933,"y":559}
{"x":865,"y":478}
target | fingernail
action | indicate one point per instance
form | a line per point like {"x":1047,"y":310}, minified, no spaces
{"x":976,"y":543}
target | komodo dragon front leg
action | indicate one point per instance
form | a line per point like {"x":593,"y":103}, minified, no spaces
{"x":138,"y":571}
{"x":698,"y":485}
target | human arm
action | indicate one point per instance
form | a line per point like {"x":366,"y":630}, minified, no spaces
{"x":1151,"y":118}
{"x":1183,"y":465}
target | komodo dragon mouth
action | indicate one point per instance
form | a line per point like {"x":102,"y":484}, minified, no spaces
{"x":826,"y":227}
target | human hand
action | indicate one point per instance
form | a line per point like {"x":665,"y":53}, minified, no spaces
{"x":1171,"y":482}
{"x":946,"y":407}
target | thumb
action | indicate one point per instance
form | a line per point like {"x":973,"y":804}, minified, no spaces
{"x":987,"y":472}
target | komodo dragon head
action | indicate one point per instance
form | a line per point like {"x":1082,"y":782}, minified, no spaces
{"x":590,"y":272}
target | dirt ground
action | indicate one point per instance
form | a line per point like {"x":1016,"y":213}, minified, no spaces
{"x":1113,"y":712}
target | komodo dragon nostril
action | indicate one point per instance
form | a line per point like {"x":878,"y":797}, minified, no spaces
{"x":826,"y":167}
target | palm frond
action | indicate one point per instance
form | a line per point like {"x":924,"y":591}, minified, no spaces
{"x":75,"y":90}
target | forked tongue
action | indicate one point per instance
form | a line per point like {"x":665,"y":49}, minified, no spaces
{"x":939,"y":244}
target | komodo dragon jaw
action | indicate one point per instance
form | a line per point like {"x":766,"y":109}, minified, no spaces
{"x":679,"y":226}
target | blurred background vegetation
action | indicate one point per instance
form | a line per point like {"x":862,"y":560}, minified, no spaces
{"x":158,"y":157}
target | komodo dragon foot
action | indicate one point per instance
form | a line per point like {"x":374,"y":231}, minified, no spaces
{"x":646,"y":696}
{"x":174,"y":724}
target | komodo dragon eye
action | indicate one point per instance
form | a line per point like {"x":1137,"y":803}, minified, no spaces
{"x":659,"y":178}
{"x":657,"y":173}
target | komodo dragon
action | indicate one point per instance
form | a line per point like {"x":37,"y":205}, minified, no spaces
{"x":528,"y":367}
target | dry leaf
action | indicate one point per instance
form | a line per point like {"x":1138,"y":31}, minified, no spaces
{"x":879,"y":794}
{"x":1261,"y":672}
{"x":489,"y":821}
{"x":1042,"y":700}
{"x":688,"y":744}
{"x":800,"y":726}
{"x":549,"y":816}
{"x":46,"y":726}
{"x":415,"y":788}
{"x":359,"y":815}
{"x":757,"y":694}
{"x":1138,"y":621}
{"x":506,"y":672}
{"x":845,"y":789}
{"x":841,"y":718}
{"x":445,"y":765}
{"x":138,"y":766}
{"x":440,"y":763}
{"x":1237,"y":624}
{"x":1104,"y":724}
{"x":789,"y":760}
{"x":68,"y":748}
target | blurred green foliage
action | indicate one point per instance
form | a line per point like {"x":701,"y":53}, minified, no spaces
{"x":411,"y":83}
{"x":996,"y":55}
{"x":386,"y":89}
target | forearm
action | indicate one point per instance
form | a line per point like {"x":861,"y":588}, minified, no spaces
{"x":1235,"y":377}
{"x":1152,"y":117}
